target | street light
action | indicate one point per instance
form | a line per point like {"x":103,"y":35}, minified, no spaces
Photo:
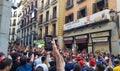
{"x":115,"y":18}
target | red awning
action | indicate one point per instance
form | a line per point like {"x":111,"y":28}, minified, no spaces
{"x":68,"y":42}
{"x":81,"y":40}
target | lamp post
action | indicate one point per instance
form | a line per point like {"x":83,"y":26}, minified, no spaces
{"x":115,"y":18}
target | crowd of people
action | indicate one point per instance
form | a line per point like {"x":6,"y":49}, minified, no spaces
{"x":38,"y":59}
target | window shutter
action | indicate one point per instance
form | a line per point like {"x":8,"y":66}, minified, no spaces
{"x":77,"y":14}
{"x":106,"y":4}
{"x":94,"y":7}
{"x":66,"y":19}
{"x":72,"y":17}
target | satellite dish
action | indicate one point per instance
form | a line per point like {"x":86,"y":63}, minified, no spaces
{"x":14,"y":5}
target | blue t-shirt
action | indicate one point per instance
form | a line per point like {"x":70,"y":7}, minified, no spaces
{"x":26,"y":67}
{"x":69,"y":66}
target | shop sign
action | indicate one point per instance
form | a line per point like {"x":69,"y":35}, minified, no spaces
{"x":68,"y":38}
{"x":100,"y":34}
{"x":100,"y":39}
{"x":81,"y":37}
{"x":99,"y":16}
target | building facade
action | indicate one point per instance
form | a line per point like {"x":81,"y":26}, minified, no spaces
{"x":89,"y":26}
{"x":13,"y":25}
{"x":51,"y":19}
{"x":28,"y":24}
{"x":14,"y":36}
{"x":5,"y":14}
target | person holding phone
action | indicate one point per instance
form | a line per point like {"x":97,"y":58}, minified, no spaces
{"x":59,"y":59}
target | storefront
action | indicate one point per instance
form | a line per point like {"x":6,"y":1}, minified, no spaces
{"x":81,"y":42}
{"x":68,"y":41}
{"x":101,"y":41}
{"x":102,"y":34}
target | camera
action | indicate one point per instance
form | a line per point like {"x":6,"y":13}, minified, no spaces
{"x":48,"y":45}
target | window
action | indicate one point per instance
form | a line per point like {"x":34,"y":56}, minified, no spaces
{"x":13,"y":31}
{"x":26,"y":11}
{"x":22,"y":24}
{"x":12,"y":38}
{"x":35,"y":14}
{"x":100,"y":5}
{"x":9,"y":31}
{"x":36,"y":3}
{"x":48,"y":3}
{"x":40,"y":33}
{"x":46,"y":30}
{"x":15,"y":14}
{"x":25,"y":21}
{"x":69,"y":4}
{"x":47,"y":15}
{"x":55,"y":12}
{"x":41,"y":19}
{"x":69,"y":18}
{"x":28,"y":20}
{"x":32,"y":6}
{"x":14,"y":22}
{"x":54,"y":29}
{"x":42,"y":5}
{"x":82,"y":13}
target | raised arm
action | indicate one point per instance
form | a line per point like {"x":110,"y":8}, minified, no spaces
{"x":59,"y":59}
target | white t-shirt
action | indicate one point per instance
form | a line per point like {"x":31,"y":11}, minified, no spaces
{"x":44,"y":66}
{"x":37,"y":61}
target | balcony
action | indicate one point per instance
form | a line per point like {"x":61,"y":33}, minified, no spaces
{"x":14,"y":24}
{"x":47,"y":5}
{"x":33,"y":20}
{"x":46,"y":21}
{"x":79,"y":1}
{"x":41,"y":9}
{"x":53,"y":18}
{"x":18,"y":30}
{"x":13,"y":33}
{"x":41,"y":23}
{"x":12,"y":39}
{"x":14,"y":15}
{"x":53,"y":2}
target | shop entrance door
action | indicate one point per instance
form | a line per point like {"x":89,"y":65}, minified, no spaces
{"x":82,"y":46}
{"x":69,"y":46}
{"x":101,"y":46}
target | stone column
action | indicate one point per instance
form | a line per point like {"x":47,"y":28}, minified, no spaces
{"x":5,"y":15}
{"x":60,"y":42}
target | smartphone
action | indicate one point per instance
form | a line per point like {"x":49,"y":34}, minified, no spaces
{"x":48,"y":45}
